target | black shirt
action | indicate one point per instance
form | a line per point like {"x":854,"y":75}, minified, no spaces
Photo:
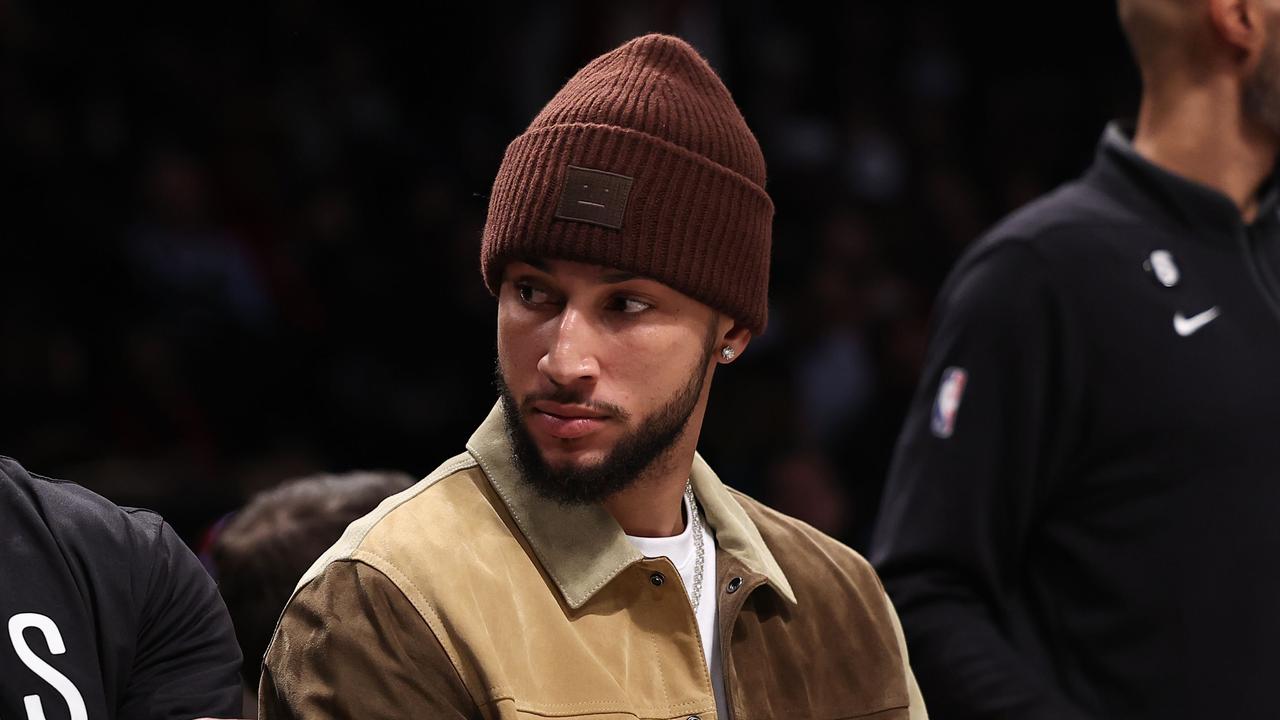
{"x":1083,"y":514}
{"x":106,"y":612}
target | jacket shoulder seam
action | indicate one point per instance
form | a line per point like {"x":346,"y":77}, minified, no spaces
{"x":356,"y":533}
{"x":354,"y":536}
{"x":427,"y":610}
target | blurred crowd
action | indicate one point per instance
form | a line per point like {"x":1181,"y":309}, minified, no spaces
{"x":240,"y":243}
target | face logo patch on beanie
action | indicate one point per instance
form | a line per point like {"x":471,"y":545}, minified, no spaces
{"x":594,"y":196}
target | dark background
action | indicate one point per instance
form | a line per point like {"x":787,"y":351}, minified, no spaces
{"x":239,"y":243}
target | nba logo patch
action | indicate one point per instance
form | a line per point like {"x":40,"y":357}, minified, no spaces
{"x":947,"y":404}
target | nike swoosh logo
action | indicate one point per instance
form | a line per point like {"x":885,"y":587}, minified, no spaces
{"x":1185,"y":326}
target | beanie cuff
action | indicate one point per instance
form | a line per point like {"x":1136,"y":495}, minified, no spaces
{"x":698,"y":226}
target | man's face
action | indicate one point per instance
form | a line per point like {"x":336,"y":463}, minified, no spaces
{"x":600,"y":374}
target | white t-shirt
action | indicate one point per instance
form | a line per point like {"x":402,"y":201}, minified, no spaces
{"x":679,"y":549}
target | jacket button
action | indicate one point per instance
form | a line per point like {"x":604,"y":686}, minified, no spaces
{"x":734,"y":584}
{"x":657,"y":579}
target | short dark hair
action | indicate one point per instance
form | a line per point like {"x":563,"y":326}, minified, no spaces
{"x":266,"y":547}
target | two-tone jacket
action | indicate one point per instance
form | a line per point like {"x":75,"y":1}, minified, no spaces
{"x":470,"y":596}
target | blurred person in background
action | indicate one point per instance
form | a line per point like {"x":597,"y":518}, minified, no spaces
{"x":107,"y":613}
{"x":581,"y":559}
{"x":262,"y":551}
{"x":1080,"y":521}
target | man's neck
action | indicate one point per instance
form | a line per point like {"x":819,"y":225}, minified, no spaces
{"x":1202,"y":134}
{"x":651,"y":507}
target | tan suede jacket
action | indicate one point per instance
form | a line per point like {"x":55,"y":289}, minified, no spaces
{"x":469,"y":596}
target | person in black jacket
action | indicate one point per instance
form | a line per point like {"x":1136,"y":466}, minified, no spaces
{"x":1081,"y":516}
{"x":107,"y":614}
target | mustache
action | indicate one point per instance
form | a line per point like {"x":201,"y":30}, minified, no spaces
{"x":573,"y":396}
{"x":564,"y":395}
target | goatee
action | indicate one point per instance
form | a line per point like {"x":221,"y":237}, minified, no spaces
{"x":626,"y":463}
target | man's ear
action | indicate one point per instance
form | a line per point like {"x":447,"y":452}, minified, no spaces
{"x":1240,"y":24}
{"x":736,"y":339}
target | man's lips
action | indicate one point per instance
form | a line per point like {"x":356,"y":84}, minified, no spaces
{"x":567,"y":411}
{"x":566,"y":421}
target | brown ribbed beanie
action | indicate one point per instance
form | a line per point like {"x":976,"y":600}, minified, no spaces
{"x":643,"y":163}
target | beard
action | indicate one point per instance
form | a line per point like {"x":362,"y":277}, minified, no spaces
{"x":1262,"y":89}
{"x":649,"y":445}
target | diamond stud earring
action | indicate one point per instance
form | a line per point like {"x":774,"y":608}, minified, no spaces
{"x":728,"y":353}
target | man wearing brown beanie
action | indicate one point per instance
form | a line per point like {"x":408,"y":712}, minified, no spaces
{"x":580,"y":559}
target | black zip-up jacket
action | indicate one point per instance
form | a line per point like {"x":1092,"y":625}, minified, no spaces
{"x":1082,"y":518}
{"x":106,"y":612}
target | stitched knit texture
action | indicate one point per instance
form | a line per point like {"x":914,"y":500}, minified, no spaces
{"x":697,"y":216}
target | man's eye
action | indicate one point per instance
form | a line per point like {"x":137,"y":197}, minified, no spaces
{"x":630,"y":305}
{"x":532,"y":295}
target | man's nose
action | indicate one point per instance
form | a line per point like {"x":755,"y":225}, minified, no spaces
{"x":571,"y":358}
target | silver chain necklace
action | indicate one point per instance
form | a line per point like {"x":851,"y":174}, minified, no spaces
{"x":695,"y":519}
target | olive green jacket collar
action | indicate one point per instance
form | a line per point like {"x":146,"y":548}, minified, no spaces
{"x":582,"y":547}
